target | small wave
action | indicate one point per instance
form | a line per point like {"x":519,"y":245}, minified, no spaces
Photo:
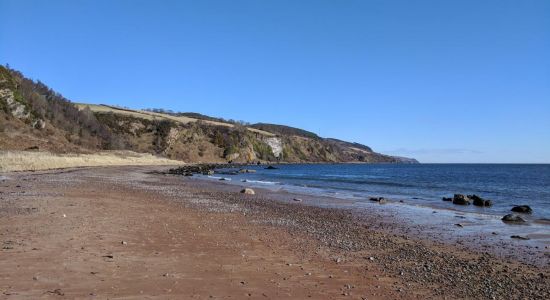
{"x":359,"y":181}
{"x":260,"y":181}
{"x":354,"y":176}
{"x":219,"y":178}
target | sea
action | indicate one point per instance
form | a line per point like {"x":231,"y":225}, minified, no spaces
{"x":412,"y":184}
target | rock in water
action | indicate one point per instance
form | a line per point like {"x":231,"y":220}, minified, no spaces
{"x":271,"y":168}
{"x":478,"y":201}
{"x":378,"y":199}
{"x":248,"y":191}
{"x":522,"y":209}
{"x":513,"y":218}
{"x":460,"y":199}
{"x":447,"y":199}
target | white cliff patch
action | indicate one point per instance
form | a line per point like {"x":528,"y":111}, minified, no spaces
{"x":17,"y":109}
{"x":276,"y":145}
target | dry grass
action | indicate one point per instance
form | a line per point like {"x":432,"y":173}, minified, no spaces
{"x":32,"y":161}
{"x":158,"y":116}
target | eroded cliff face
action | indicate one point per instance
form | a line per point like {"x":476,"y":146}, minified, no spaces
{"x":32,"y":116}
{"x":200,"y":142}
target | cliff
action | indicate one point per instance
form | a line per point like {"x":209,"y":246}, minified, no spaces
{"x":32,"y":116}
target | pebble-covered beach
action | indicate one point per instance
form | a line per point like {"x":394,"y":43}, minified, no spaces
{"x":135,"y":223}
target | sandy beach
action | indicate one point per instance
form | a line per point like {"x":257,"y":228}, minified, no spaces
{"x":135,"y":233}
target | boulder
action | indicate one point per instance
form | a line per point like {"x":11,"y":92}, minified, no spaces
{"x":378,"y":199}
{"x":460,"y":199}
{"x":248,"y":191}
{"x":488,"y":203}
{"x":474,"y":197}
{"x":449,"y":199}
{"x":271,"y":168}
{"x":522,"y":209}
{"x":513,"y":218}
{"x":38,"y":124}
{"x":479,"y":202}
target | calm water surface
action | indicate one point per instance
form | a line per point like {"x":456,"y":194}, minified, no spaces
{"x":419,"y":184}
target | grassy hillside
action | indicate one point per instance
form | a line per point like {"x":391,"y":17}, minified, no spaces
{"x":285,"y":130}
{"x":32,"y":116}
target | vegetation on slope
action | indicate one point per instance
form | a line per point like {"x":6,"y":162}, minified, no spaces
{"x":34,"y":116}
{"x":285,"y":130}
{"x":40,"y":112}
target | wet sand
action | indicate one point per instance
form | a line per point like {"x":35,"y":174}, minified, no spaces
{"x":128,"y":232}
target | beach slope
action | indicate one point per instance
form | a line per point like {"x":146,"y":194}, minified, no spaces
{"x":131,"y":232}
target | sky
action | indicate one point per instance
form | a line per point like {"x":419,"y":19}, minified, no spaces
{"x":442,"y":81}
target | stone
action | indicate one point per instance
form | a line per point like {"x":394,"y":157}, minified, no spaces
{"x":519,"y":237}
{"x":474,"y":197}
{"x":39,"y":124}
{"x":248,"y":191}
{"x":448,"y":199}
{"x":460,"y":199}
{"x":378,"y":199}
{"x":522,"y":209}
{"x":478,"y":201}
{"x":513,"y":218}
{"x":271,"y":168}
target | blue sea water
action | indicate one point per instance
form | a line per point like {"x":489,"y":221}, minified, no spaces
{"x":417,"y":184}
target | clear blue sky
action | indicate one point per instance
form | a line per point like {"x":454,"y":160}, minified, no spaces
{"x":442,"y":81}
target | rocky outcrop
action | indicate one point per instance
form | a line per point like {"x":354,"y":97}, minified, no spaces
{"x":522,"y":209}
{"x":39,"y":124}
{"x":17,"y":109}
{"x":460,"y":199}
{"x":478,"y":201}
{"x":380,"y":200}
{"x":276,"y":146}
{"x":511,"y":218}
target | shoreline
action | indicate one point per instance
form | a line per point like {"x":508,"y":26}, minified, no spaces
{"x":477,"y":231}
{"x":501,"y":205}
{"x":281,"y":248}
